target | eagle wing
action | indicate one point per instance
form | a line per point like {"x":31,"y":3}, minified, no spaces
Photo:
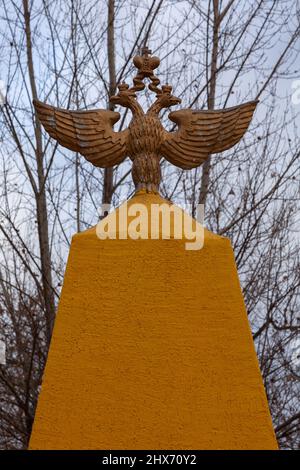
{"x":88,"y":132}
{"x":201,"y":133}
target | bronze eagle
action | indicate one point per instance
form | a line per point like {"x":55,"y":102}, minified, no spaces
{"x":199,"y":134}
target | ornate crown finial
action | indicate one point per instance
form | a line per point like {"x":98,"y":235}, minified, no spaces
{"x":146,"y":64}
{"x":145,"y":51}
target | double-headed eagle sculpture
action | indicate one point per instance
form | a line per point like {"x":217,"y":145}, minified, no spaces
{"x":199,"y":134}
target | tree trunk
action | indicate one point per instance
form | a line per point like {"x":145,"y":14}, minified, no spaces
{"x":211,"y":97}
{"x":40,"y":195}
{"x":108,"y":172}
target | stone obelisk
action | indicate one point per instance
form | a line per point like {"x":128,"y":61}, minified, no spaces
{"x":152,"y":347}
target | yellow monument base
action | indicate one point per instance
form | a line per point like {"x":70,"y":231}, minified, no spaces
{"x":151,"y":350}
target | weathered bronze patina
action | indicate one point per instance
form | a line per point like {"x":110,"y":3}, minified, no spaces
{"x":200,"y":133}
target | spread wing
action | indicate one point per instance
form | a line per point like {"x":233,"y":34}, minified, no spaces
{"x":201,"y":133}
{"x":88,"y":132}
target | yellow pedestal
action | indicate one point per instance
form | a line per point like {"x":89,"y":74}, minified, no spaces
{"x":151,"y":350}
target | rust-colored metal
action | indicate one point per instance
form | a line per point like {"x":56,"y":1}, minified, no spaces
{"x":200,"y":133}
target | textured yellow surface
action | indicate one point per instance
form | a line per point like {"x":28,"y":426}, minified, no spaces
{"x":151,"y":350}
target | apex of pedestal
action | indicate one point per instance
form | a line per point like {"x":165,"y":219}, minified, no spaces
{"x":148,"y":216}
